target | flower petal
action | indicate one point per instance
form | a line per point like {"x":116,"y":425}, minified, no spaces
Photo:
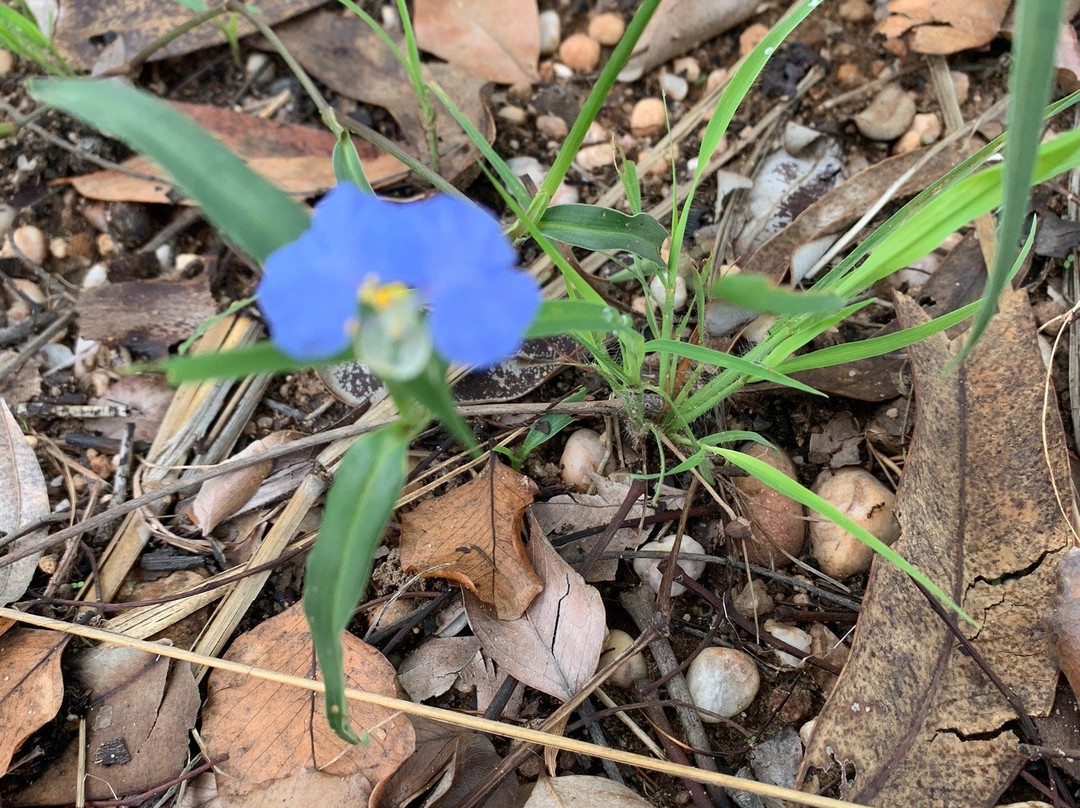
{"x":482,"y":319}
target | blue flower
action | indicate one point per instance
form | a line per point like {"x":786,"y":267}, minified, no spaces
{"x":453,"y":254}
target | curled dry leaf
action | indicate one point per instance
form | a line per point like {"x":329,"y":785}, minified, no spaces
{"x":433,"y":668}
{"x":498,"y":40}
{"x":583,"y":791}
{"x":446,"y":766}
{"x":555,"y":645}
{"x":31,"y":685}
{"x":472,"y":535}
{"x":24,"y":501}
{"x":911,"y":713}
{"x":277,"y":736}
{"x":223,"y":496}
{"x":137,"y":727}
{"x":944,"y":26}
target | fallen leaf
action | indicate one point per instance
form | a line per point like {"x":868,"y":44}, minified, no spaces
{"x":475,"y":531}
{"x":913,"y":717}
{"x":567,"y":513}
{"x":21,"y":386}
{"x":25,"y":500}
{"x":306,"y":787}
{"x":336,"y":46}
{"x":679,"y":26}
{"x":583,"y":791}
{"x":146,"y":316}
{"x":223,"y":496}
{"x":446,"y":766}
{"x":433,"y":668}
{"x":1065,"y":618}
{"x":944,"y":26}
{"x":83,"y":27}
{"x":498,"y":40}
{"x":141,"y":712}
{"x":148,"y":396}
{"x":555,"y":645}
{"x":293,"y":156}
{"x":31,"y":685}
{"x":274,"y":733}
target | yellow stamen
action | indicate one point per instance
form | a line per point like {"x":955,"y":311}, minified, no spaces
{"x":381,"y":296}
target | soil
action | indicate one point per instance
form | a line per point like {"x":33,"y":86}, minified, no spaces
{"x":66,"y":446}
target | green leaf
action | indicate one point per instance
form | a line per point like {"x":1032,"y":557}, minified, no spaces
{"x":791,"y":488}
{"x":431,"y":390}
{"x":723,"y":360}
{"x":758,"y":293}
{"x":875,"y":346}
{"x":1030,"y":79}
{"x":548,"y":426}
{"x":347,"y":165}
{"x":257,"y":216}
{"x":595,"y":228}
{"x":569,"y":316}
{"x":358,"y":507}
{"x":262,"y":357}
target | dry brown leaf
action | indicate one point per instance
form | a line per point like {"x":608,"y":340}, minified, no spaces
{"x":143,"y":709}
{"x":146,"y":316}
{"x":223,"y":496}
{"x":21,"y":386}
{"x":944,"y":26}
{"x":555,"y":645}
{"x":273,"y":732}
{"x":433,"y":668}
{"x":305,"y":788}
{"x":475,"y":530}
{"x":912,"y":716}
{"x":336,"y":46}
{"x":583,"y":791}
{"x":147,"y":394}
{"x":679,"y":26}
{"x":446,"y":766}
{"x":23,"y":501}
{"x":83,"y":25}
{"x":1065,"y":618}
{"x":498,"y":40}
{"x":292,"y":156}
{"x":31,"y":685}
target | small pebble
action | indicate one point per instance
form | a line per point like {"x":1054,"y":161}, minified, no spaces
{"x":751,"y":37}
{"x":594,"y":158}
{"x":607,"y":28}
{"x":561,"y":71}
{"x":961,"y":84}
{"x":184,"y":260}
{"x":596,"y":133}
{"x":584,"y":453}
{"x":95,"y":277}
{"x":550,"y":32}
{"x":723,"y":681}
{"x":31,"y":241}
{"x":7,"y":219}
{"x":647,"y":117}
{"x":925,"y":129}
{"x":753,"y":600}
{"x":888,"y":116}
{"x":105,"y":244}
{"x":259,"y":68}
{"x":715,"y":79}
{"x":58,"y":248}
{"x":648,"y":569}
{"x":687,"y":66}
{"x":856,"y":11}
{"x":164,"y":256}
{"x":659,"y":292}
{"x":849,"y":75}
{"x":551,"y":126}
{"x":793,"y":636}
{"x":674,"y":86}
{"x":513,"y":115}
{"x":580,"y":52}
{"x":7,"y":62}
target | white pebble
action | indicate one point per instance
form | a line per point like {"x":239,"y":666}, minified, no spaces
{"x":31,"y":241}
{"x":674,"y":86}
{"x":659,"y":293}
{"x":583,"y":454}
{"x":184,"y":260}
{"x":550,"y":32}
{"x":163,"y":254}
{"x":648,"y":569}
{"x":7,"y":219}
{"x":96,"y":276}
{"x":514,"y":115}
{"x":259,"y":68}
{"x":792,"y":636}
{"x":723,"y":681}
{"x":561,"y":71}
{"x":593,"y":158}
{"x":632,"y":669}
{"x":58,"y":248}
{"x":56,"y":356}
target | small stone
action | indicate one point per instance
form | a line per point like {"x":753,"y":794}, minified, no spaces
{"x":674,"y":86}
{"x":185,"y":260}
{"x":861,"y":497}
{"x":961,"y":85}
{"x":687,"y":66}
{"x":105,"y":244}
{"x":849,"y":75}
{"x":925,"y":129}
{"x":648,"y":117}
{"x":648,"y":569}
{"x":513,"y":115}
{"x":96,"y":276}
{"x":594,"y":158}
{"x":550,"y":32}
{"x":31,"y":241}
{"x":58,"y":248}
{"x":888,"y":116}
{"x":596,"y":133}
{"x":659,"y":292}
{"x":7,"y":62}
{"x":584,"y":453}
{"x":632,"y":668}
{"x":561,"y":71}
{"x":7,"y":219}
{"x":723,"y":681}
{"x":715,"y":79}
{"x":753,"y":600}
{"x":259,"y":68}
{"x":607,"y":28}
{"x":856,"y":11}
{"x":795,"y":637}
{"x":751,"y":37}
{"x":580,"y":52}
{"x":551,"y":126}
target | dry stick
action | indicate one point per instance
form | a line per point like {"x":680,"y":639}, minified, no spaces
{"x":462,"y":720}
{"x":640,"y":605}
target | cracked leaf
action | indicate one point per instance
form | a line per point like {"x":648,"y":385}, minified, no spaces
{"x":944,"y":26}
{"x":917,"y":719}
{"x":496,"y":39}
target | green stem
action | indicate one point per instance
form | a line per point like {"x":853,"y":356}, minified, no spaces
{"x":416,"y":76}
